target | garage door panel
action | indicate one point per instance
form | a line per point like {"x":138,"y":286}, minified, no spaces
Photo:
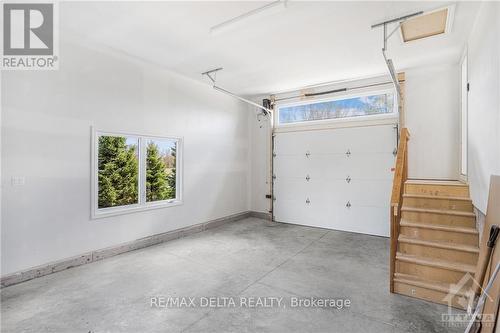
{"x":366,"y":166}
{"x":344,"y":219}
{"x":328,"y":192}
{"x":291,"y":189}
{"x":358,"y":219}
{"x":290,"y":166}
{"x":337,"y":141}
{"x":362,"y":192}
{"x":330,"y":166}
{"x":367,"y":220}
{"x":336,"y":192}
{"x":295,"y":143}
{"x":348,"y":192}
{"x":369,"y":139}
{"x":291,"y":211}
{"x":302,"y":142}
{"x":371,"y":166}
{"x":307,"y":214}
{"x":373,"y":193}
{"x":356,"y":140}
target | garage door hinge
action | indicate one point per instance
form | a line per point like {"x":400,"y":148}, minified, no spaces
{"x":308,"y":178}
{"x":348,"y":152}
{"x":348,"y":204}
{"x":308,"y":153}
{"x":308,"y":201}
{"x":348,"y":179}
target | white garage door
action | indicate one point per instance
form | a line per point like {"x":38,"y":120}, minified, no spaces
{"x":335,"y":178}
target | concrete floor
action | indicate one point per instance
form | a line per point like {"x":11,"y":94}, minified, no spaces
{"x":249,"y":258}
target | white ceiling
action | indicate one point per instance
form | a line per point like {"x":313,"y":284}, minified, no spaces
{"x":307,"y":43}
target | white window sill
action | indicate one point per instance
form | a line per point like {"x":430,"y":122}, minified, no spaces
{"x":121,"y":210}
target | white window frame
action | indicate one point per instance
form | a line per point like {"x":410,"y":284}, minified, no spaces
{"x":142,"y":205}
{"x":336,"y":121}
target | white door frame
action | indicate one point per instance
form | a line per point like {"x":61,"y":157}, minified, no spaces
{"x":464,"y":101}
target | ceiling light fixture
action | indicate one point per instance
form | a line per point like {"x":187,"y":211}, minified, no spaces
{"x":257,"y":12}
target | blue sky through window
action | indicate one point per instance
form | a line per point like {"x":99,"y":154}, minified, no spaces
{"x":131,"y":141}
{"x":164,"y":146}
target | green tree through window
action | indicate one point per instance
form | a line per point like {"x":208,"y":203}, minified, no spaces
{"x":172,"y":176}
{"x":119,"y":167}
{"x":160,"y":172}
{"x":118,"y":170}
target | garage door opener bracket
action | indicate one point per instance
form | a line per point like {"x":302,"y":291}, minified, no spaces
{"x":388,"y":62}
{"x":212,"y":75}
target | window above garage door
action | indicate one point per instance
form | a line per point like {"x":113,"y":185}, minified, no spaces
{"x":346,"y":107}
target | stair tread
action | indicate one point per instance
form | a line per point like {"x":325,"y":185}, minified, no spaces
{"x":435,"y":182}
{"x":439,"y":244}
{"x":441,"y":227}
{"x":437,"y":211}
{"x":420,"y":282}
{"x":451,"y":265}
{"x":437,"y":197}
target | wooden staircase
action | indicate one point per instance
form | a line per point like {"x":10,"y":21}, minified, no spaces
{"x":438,"y":243}
{"x":434,"y":241}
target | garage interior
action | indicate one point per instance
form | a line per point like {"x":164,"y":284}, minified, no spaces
{"x":280,"y":166}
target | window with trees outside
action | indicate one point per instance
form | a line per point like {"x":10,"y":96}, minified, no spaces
{"x":342,"y":107}
{"x":134,"y":172}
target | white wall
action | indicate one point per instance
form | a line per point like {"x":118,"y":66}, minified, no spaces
{"x":432,"y":117}
{"x":46,"y":137}
{"x":484,"y":102}
{"x":260,"y":137}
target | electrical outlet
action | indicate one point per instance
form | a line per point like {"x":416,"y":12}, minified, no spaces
{"x":18,"y":180}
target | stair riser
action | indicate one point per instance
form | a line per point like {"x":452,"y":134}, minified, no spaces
{"x":427,"y":294}
{"x":430,"y":273}
{"x":438,"y":253}
{"x":438,"y":190}
{"x":442,"y":219}
{"x":439,"y":235}
{"x":447,"y":204}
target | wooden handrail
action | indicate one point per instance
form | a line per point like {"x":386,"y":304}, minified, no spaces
{"x":400,"y":177}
